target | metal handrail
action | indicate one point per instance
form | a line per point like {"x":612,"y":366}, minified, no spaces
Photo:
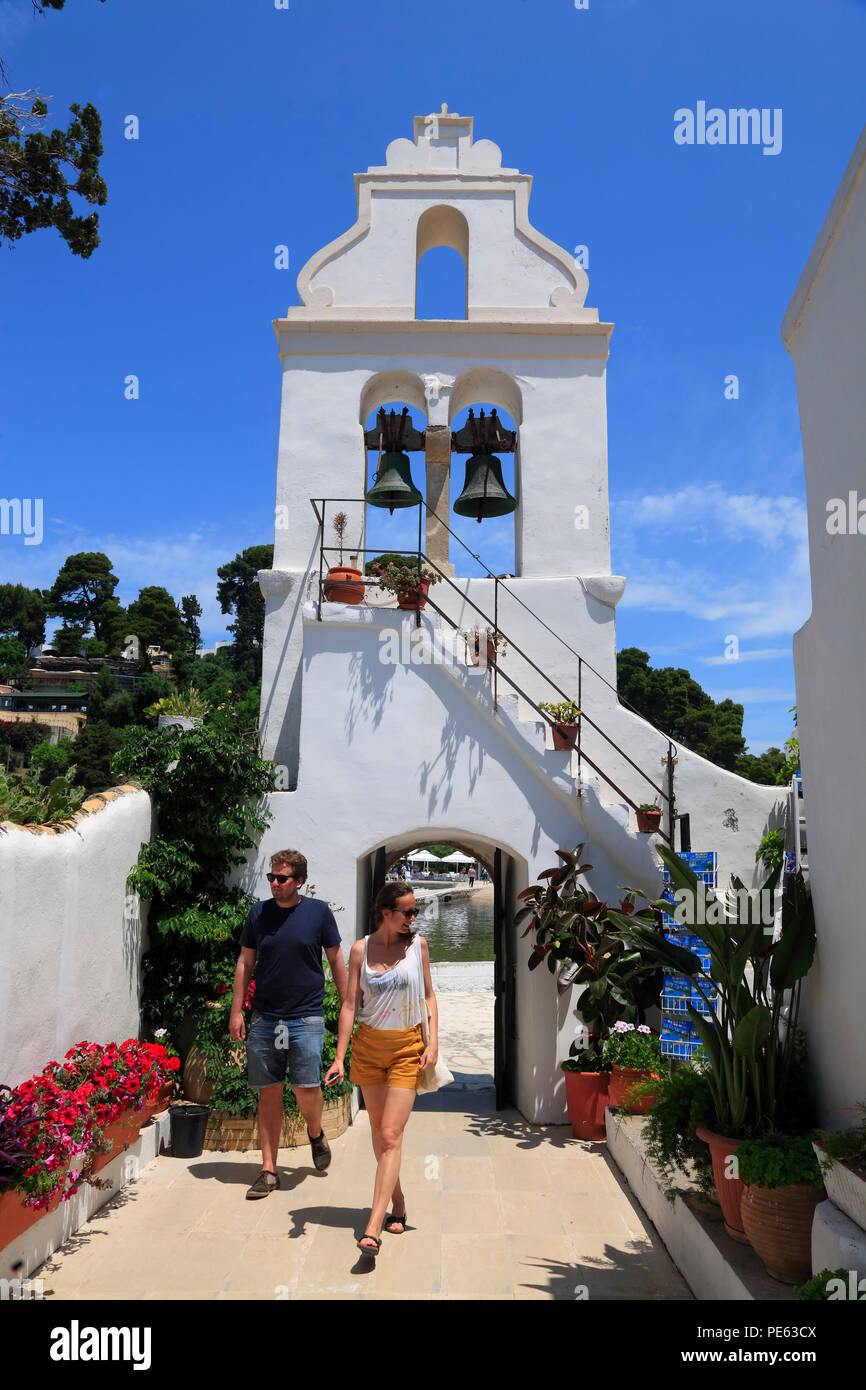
{"x":667,"y":796}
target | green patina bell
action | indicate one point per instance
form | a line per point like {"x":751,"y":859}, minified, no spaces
{"x":393,"y":486}
{"x":484,"y":493}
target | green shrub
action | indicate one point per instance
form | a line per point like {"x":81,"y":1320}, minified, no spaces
{"x":778,"y":1160}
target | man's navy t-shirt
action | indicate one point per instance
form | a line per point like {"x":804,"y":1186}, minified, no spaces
{"x":288,"y":941}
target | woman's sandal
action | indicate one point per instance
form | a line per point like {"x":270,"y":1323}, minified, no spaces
{"x":393,"y":1220}
{"x":365,"y":1249}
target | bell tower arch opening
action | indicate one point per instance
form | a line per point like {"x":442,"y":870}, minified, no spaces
{"x":442,"y":281}
{"x":400,"y":395}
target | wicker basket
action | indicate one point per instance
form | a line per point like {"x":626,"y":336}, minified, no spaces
{"x":229,"y":1132}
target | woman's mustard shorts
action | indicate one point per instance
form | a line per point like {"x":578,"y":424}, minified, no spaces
{"x":386,"y":1056}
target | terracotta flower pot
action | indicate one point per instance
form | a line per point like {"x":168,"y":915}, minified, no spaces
{"x":648,"y":821}
{"x":564,"y":737}
{"x":122,"y":1132}
{"x":15,"y":1218}
{"x":344,"y":584}
{"x":622,"y":1079}
{"x":729,"y":1189}
{"x":414,"y":598}
{"x":586,"y":1096}
{"x":158,"y":1102}
{"x":778,"y":1222}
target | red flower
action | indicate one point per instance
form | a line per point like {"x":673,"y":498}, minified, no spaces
{"x":222,"y":988}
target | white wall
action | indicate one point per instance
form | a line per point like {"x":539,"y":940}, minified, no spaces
{"x":825,"y":334}
{"x":70,"y":936}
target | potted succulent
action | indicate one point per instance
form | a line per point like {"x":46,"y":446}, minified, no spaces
{"x":184,"y":708}
{"x":842,"y":1156}
{"x":783,"y":1186}
{"x":649,"y":818}
{"x":403,"y":577}
{"x":565,"y":715}
{"x":633,"y":1053}
{"x":345,"y":583}
{"x":754,"y":1051}
{"x":494,"y":643}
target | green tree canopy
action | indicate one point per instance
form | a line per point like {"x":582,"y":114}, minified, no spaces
{"x":191,"y":611}
{"x":671,"y":700}
{"x":83,"y":595}
{"x":22,"y":614}
{"x":39,"y":169}
{"x":239,"y":593}
{"x":156,"y":620}
{"x":13,"y":659}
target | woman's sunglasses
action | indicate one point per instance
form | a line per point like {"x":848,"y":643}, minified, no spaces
{"x":407,"y":911}
{"x":279,"y":878}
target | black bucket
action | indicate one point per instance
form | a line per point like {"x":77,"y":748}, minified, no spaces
{"x":188,"y":1126}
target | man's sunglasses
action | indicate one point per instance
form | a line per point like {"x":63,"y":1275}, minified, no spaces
{"x":279,"y":878}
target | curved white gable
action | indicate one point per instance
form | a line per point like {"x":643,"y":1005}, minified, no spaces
{"x":372,"y":267}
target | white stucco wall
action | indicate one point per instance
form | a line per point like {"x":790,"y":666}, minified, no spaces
{"x":825,"y":334}
{"x":393,"y":752}
{"x":70,"y":935}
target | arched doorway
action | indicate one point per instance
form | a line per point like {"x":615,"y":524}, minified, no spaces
{"x":507,"y":873}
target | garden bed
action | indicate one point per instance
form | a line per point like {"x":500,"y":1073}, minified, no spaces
{"x":229,"y":1132}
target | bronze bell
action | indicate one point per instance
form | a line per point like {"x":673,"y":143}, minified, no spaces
{"x":484,"y":493}
{"x":393,"y":486}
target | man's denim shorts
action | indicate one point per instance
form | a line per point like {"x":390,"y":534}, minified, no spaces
{"x":274,"y":1042}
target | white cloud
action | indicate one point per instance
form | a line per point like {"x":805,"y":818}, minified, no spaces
{"x":756,"y":654}
{"x":757,"y":695}
{"x":710,"y":512}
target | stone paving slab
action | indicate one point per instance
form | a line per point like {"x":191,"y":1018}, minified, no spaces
{"x":498,"y":1209}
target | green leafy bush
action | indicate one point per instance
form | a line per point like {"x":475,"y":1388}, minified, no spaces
{"x":683,"y":1102}
{"x":815,"y":1289}
{"x":25,"y":802}
{"x":778,"y":1160}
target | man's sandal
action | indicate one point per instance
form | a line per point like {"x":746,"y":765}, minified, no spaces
{"x":264,"y":1184}
{"x":365,"y":1249}
{"x":393,"y":1220}
{"x":321,"y":1150}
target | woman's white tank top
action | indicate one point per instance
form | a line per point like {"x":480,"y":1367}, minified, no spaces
{"x":393,"y":999}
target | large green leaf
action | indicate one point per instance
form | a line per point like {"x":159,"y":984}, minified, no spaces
{"x":752,"y":1031}
{"x":794,"y":952}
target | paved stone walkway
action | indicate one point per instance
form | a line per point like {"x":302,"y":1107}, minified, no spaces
{"x":498,"y":1209}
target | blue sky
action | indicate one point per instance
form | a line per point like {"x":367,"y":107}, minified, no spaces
{"x":252,"y":122}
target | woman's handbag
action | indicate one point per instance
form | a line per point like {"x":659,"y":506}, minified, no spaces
{"x":432,"y":1077}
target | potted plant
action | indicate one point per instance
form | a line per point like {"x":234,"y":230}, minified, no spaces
{"x":842,"y":1156}
{"x":783,"y":1186}
{"x":495,"y":644}
{"x":830,"y":1285}
{"x":649,"y":818}
{"x":403,"y":577}
{"x":753,"y":1050}
{"x":633,"y":1053}
{"x":682,"y":1103}
{"x":565,"y":715}
{"x":574,"y":933}
{"x":185,"y":708}
{"x":345,"y":583}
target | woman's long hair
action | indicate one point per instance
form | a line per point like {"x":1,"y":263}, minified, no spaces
{"x":387,"y":899}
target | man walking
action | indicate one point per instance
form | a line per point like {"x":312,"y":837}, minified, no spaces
{"x":284,"y":937}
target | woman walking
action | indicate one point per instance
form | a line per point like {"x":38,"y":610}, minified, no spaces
{"x":389,"y":977}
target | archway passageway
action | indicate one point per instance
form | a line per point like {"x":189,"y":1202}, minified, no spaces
{"x":469,"y":933}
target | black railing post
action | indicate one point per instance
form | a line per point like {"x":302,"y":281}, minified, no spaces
{"x":579,"y":720}
{"x":321,"y":559}
{"x":671,"y":807}
{"x":495,"y":644}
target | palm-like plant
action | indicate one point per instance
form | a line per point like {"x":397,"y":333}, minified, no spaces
{"x":751,"y":1037}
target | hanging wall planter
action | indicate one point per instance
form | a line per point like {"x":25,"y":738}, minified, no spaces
{"x":414,"y":598}
{"x":649,"y":819}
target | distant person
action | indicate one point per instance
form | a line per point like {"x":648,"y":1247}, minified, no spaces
{"x":283,"y":938}
{"x":389,"y":978}
{"x":471,"y":875}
